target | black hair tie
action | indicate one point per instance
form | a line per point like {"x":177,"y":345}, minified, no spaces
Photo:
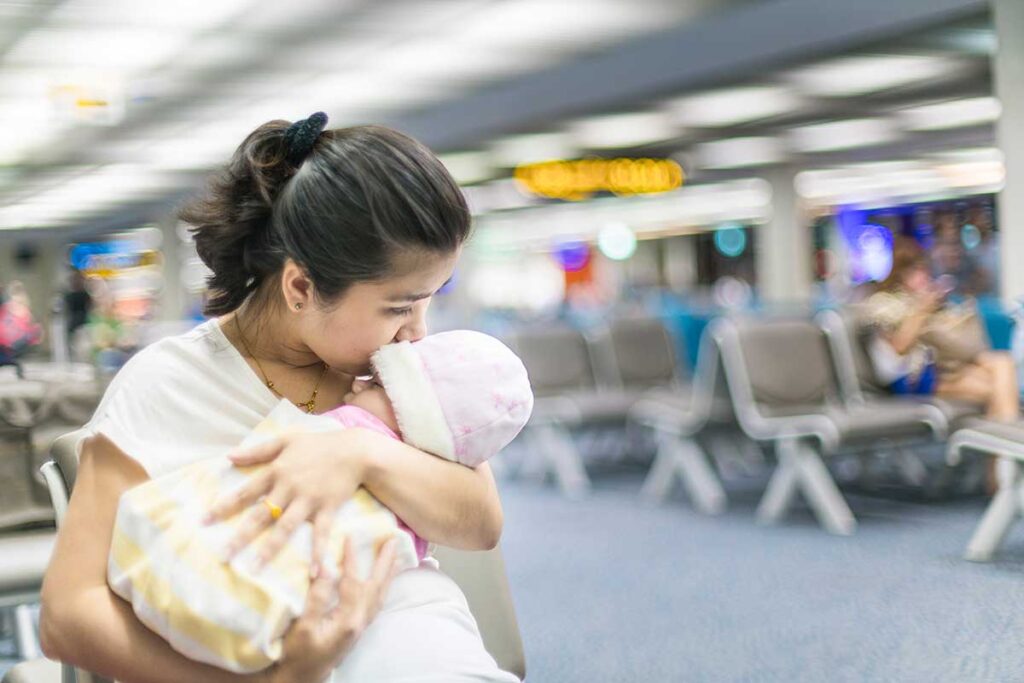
{"x":301,"y":136}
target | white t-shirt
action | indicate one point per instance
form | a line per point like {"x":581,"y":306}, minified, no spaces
{"x":193,"y":396}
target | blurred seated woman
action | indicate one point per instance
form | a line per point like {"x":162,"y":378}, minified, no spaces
{"x":925,"y":345}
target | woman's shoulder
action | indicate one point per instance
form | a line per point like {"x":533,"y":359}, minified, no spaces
{"x":171,"y":360}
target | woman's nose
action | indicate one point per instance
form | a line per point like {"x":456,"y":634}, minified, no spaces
{"x":414,"y":330}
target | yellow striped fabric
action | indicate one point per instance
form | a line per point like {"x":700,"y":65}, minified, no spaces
{"x":169,"y":566}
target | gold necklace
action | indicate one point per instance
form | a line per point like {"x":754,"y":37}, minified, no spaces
{"x":309,"y":405}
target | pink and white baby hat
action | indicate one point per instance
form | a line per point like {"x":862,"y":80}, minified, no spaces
{"x":462,"y":395}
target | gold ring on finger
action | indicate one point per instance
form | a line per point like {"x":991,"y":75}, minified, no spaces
{"x":275,"y":510}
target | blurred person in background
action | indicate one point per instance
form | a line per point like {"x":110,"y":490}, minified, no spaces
{"x":110,"y":340}
{"x":19,"y":332}
{"x":324,"y":245}
{"x":77,"y":303}
{"x":924,"y":345}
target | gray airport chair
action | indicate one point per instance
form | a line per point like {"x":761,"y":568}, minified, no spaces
{"x":783,"y":388}
{"x":26,"y":534}
{"x":567,"y":395}
{"x":1006,"y":441}
{"x":675,"y":409}
{"x":848,"y":341}
{"x":480,"y":575}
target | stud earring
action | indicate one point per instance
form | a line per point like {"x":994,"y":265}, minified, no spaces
{"x":298,"y":307}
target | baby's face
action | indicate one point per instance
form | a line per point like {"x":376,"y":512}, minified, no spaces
{"x":369,"y":395}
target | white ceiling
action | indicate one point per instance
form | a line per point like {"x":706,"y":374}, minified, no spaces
{"x":109,"y":102}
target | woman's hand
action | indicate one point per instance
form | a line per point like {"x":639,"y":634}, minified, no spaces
{"x":308,"y":476}
{"x":323,"y":635}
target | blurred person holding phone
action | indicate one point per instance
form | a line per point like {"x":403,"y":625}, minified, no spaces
{"x":923,"y":343}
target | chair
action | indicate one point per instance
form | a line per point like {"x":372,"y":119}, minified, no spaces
{"x":480,"y":575}
{"x":561,"y":367}
{"x":26,"y":533}
{"x":783,"y":389}
{"x":676,"y":410}
{"x":1006,"y":441}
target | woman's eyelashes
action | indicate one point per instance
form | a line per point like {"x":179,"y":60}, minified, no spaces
{"x":400,"y":312}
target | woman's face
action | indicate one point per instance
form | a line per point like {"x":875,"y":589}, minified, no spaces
{"x":917,"y":279}
{"x":372,"y":314}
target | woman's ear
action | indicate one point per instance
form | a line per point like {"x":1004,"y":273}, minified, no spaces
{"x":296,"y":286}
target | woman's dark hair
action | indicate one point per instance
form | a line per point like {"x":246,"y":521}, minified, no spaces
{"x":360,"y":197}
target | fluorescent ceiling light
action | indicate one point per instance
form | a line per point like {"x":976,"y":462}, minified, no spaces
{"x":217,"y":51}
{"x":970,"y":154}
{"x":953,"y":114}
{"x":733,"y":106}
{"x":274,"y":16}
{"x":193,"y":14}
{"x":468,"y":167}
{"x":107,"y":48}
{"x":439,"y":61}
{"x":741,"y":152}
{"x":623,"y":130}
{"x":26,"y":123}
{"x":89,"y":192}
{"x":524,"y":149}
{"x":559,"y":26}
{"x":860,"y":75}
{"x":337,"y":53}
{"x":363,"y":89}
{"x":823,"y":137}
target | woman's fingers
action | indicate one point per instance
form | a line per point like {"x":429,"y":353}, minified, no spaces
{"x":236,"y":501}
{"x":320,"y":598}
{"x":321,"y":536}
{"x":281,"y":531}
{"x":384,"y":566}
{"x":258,"y":518}
{"x":257,"y":455}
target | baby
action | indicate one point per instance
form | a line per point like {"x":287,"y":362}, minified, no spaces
{"x":460,"y":395}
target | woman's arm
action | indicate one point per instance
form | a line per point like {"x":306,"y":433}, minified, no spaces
{"x":442,"y":501}
{"x":82,"y":622}
{"x":310,"y":476}
{"x":905,"y":335}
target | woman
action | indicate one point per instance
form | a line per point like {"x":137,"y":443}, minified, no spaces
{"x":323,"y":246}
{"x":923,"y":348}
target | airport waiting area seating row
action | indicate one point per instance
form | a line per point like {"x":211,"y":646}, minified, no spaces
{"x":805,"y":386}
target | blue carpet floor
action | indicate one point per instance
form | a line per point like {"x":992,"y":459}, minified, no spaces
{"x":608,"y":589}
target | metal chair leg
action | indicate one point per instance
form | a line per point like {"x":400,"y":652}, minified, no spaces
{"x":1000,"y":515}
{"x":681,"y":457}
{"x":25,"y":636}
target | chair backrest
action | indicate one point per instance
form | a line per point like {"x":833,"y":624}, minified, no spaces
{"x":641,"y":352}
{"x":22,"y":497}
{"x":557,"y":358}
{"x":480,"y":575}
{"x":848,"y":338}
{"x":787,"y":362}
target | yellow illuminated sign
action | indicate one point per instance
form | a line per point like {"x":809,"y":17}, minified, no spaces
{"x":579,"y":179}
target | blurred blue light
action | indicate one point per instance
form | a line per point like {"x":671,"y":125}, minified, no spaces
{"x":970,"y":236}
{"x":572,"y":256}
{"x":730,"y":240}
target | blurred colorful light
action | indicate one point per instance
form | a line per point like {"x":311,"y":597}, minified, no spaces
{"x":617,"y":241}
{"x":730,"y":240}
